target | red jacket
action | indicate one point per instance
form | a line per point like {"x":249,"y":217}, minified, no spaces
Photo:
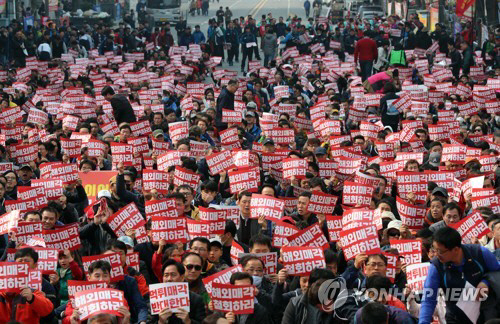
{"x":366,"y":50}
{"x":25,"y":312}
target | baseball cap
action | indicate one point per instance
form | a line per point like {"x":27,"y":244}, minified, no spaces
{"x":26,"y":166}
{"x":435,"y":159}
{"x":388,"y":214}
{"x":440,"y":191}
{"x":157,"y":133}
{"x":127,"y":240}
{"x":216,"y":242}
{"x":320,"y":151}
{"x":268,"y":141}
{"x":396,"y":224}
{"x":104,"y":193}
{"x":251,"y":105}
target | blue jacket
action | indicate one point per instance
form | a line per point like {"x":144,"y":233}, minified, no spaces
{"x":206,"y":138}
{"x":453,"y":276}
{"x":396,"y":316}
{"x":138,"y":307}
{"x":199,"y":37}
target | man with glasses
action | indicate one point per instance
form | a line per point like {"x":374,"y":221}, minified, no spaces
{"x":456,"y":266}
{"x":201,"y":246}
{"x":364,"y":267}
{"x":193,"y":264}
{"x":189,"y":209}
{"x":175,"y":272}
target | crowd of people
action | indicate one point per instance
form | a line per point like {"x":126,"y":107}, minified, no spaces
{"x":380,"y":117}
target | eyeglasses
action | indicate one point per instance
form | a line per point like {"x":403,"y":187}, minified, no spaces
{"x":440,"y":252}
{"x":193,"y":266}
{"x":375,"y":265}
{"x":393,"y":234}
{"x":478,"y":130}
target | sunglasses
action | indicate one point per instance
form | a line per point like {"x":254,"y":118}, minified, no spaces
{"x":192,"y":266}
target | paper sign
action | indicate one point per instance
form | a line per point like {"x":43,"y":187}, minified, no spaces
{"x":171,"y":295}
{"x":154,"y":179}
{"x":170,"y":229}
{"x":411,"y":250}
{"x":282,"y":231}
{"x":471,"y":227}
{"x":294,"y":167}
{"x":356,"y":194}
{"x":321,"y":203}
{"x":222,"y":277}
{"x":113,"y":259}
{"x":126,"y":218}
{"x":75,"y":286}
{"x":310,"y":236}
{"x":300,"y":261}
{"x":244,"y":179}
{"x":231,"y":298}
{"x":63,"y":238}
{"x":99,"y":301}
{"x":411,"y":215}
{"x":270,"y":207}
{"x":219,"y":162}
{"x":416,"y":274}
{"x":359,"y":240}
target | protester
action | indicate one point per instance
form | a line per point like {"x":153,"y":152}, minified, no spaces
{"x":136,"y":168}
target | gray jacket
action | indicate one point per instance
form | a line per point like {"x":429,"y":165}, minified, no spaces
{"x":269,"y":44}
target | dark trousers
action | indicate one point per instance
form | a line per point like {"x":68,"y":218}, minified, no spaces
{"x":307,"y":12}
{"x":232,"y":53}
{"x":247,"y":52}
{"x":366,"y":69}
{"x":257,"y":54}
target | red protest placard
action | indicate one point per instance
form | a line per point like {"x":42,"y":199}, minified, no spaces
{"x":154,"y":179}
{"x":26,"y":153}
{"x":357,"y":217}
{"x":53,"y":187}
{"x":14,"y":276}
{"x":221,"y":277}
{"x":270,"y":207}
{"x":126,"y":218}
{"x":198,"y":228}
{"x":141,"y":128}
{"x":294,"y":167}
{"x":300,"y":261}
{"x":75,"y":286}
{"x":170,"y":229}
{"x":95,"y":148}
{"x":327,"y":168}
{"x":71,"y":147}
{"x":162,"y":208}
{"x":9,"y":221}
{"x":412,"y":182}
{"x":385,"y":150}
{"x":170,"y":158}
{"x":113,"y":259}
{"x":229,"y":135}
{"x":231,"y":116}
{"x":26,"y":230}
{"x":67,"y":172}
{"x":122,"y":153}
{"x":359,"y":240}
{"x":416,"y":274}
{"x":36,"y":194}
{"x":482,"y":197}
{"x":231,"y":298}
{"x":139,"y":144}
{"x":171,"y":295}
{"x":63,"y":238}
{"x":411,"y":250}
{"x":471,"y":227}
{"x":185,"y":176}
{"x":392,"y":260}
{"x":244,"y":179}
{"x":37,"y":116}
{"x":334,"y":225}
{"x":282,"y":136}
{"x":310,"y":236}
{"x":99,"y":301}
{"x":47,"y":260}
{"x":322,"y":203}
{"x":282,"y":231}
{"x":356,"y":194}
{"x":411,"y":215}
{"x":219,"y":162}
{"x":455,"y":153}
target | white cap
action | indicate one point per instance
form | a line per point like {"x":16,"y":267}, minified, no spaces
{"x":388,"y":214}
{"x":104,"y":193}
{"x":395,"y":224}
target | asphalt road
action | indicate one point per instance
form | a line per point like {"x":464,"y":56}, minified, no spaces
{"x":256,"y":8}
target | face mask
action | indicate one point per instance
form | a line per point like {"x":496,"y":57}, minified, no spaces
{"x":257,"y":281}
